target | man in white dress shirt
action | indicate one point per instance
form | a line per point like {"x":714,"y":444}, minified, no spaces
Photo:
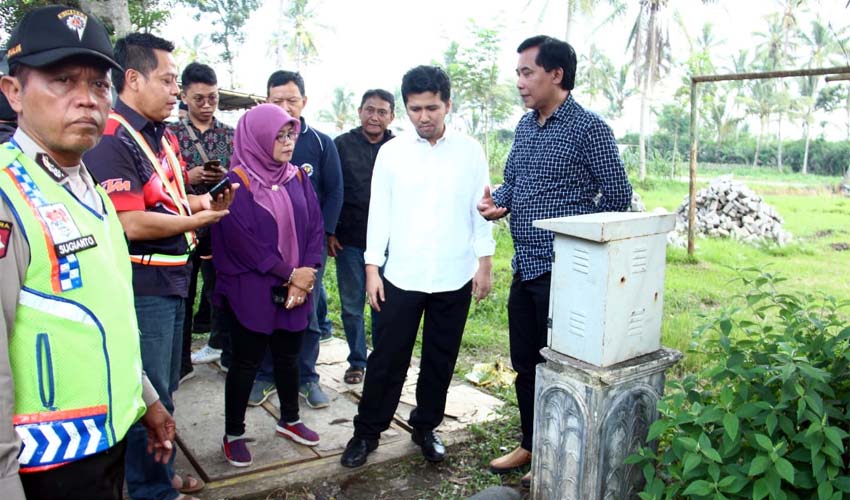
{"x":425,"y":228}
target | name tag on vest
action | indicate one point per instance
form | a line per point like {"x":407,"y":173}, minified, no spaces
{"x":75,"y":245}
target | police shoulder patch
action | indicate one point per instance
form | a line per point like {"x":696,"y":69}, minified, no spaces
{"x":5,"y":233}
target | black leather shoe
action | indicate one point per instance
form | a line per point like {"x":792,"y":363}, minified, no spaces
{"x":356,"y":451}
{"x":432,"y":448}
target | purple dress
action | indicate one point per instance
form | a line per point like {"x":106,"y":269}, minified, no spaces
{"x":248,"y":263}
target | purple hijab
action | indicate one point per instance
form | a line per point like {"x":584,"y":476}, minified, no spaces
{"x":253,"y":150}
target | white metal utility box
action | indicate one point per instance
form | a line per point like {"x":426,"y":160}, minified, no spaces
{"x":607,"y":294}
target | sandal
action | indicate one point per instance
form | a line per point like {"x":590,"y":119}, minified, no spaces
{"x":188,"y":484}
{"x":354,"y":375}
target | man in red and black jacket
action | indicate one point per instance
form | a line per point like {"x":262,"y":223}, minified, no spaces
{"x":138,"y":163}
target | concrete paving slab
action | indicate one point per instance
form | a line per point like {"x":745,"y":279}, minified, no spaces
{"x":334,"y":424}
{"x":200,"y":423}
{"x":277,"y":461}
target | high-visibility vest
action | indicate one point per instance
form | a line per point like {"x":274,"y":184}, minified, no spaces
{"x":74,"y":346}
{"x":176,"y":190}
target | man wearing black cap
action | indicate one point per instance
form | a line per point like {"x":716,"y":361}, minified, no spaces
{"x":564,"y":161}
{"x":70,"y":364}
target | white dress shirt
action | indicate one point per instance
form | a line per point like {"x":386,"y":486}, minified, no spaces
{"x":423,"y":212}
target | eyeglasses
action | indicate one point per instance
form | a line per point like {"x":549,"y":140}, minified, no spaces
{"x":289,"y":136}
{"x":199,"y":100}
{"x":383,"y":113}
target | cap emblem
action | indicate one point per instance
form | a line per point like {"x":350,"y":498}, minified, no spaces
{"x":74,"y":21}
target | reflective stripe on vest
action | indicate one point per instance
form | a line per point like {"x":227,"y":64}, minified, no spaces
{"x":176,"y":193}
{"x":65,"y":270}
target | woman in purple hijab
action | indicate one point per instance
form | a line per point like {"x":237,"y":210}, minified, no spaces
{"x":266,"y":253}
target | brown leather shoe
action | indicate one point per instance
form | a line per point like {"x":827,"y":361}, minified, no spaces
{"x":512,"y":461}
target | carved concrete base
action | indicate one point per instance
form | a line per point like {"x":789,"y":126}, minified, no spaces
{"x":588,"y":419}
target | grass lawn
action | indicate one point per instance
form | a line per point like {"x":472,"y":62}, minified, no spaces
{"x":695,"y":288}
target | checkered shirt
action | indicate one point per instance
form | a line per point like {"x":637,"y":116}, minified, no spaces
{"x":568,"y":166}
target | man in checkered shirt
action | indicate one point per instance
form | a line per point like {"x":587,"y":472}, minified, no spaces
{"x":564,"y":161}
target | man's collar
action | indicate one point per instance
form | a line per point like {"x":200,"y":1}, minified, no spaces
{"x":358,"y":132}
{"x":447,"y":134}
{"x":140,"y":123}
{"x":214,"y":124}
{"x":136,"y":120}
{"x":561,"y":112}
{"x":304,"y":127}
{"x":32,"y":150}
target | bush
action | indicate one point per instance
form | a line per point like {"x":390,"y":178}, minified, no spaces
{"x":767,"y":418}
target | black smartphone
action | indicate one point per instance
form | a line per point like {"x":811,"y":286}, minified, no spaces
{"x":213,"y":165}
{"x":219,"y":188}
{"x":279,"y":294}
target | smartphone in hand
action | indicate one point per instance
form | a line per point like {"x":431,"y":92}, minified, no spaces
{"x":212,"y":166}
{"x":219,"y":188}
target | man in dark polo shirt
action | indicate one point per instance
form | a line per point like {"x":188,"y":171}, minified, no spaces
{"x":203,"y":141}
{"x":358,"y":149}
{"x":316,"y":154}
{"x":138,"y":163}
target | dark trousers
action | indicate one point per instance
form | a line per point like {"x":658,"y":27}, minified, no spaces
{"x":97,"y":477}
{"x":445,"y":317}
{"x":218,"y":337}
{"x":528,"y":314}
{"x":248,"y":350}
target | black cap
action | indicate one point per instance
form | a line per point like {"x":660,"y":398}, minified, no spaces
{"x":50,"y":34}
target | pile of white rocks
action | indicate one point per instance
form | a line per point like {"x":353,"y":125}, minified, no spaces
{"x":728,"y":208}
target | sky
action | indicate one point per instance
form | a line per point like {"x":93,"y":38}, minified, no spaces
{"x":368,"y":44}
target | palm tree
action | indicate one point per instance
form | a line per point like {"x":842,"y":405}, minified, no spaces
{"x":821,"y":45}
{"x":301,"y":45}
{"x":574,"y":7}
{"x":618,"y":90}
{"x":195,"y":49}
{"x":341,"y":112}
{"x":760,"y":101}
{"x":649,"y":40}
{"x":595,"y":72}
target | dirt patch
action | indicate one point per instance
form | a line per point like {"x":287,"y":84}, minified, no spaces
{"x":824,"y":233}
{"x":410,"y":478}
{"x":840,"y":247}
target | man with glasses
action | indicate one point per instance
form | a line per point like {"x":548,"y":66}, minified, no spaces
{"x":203,"y":141}
{"x":358,"y":149}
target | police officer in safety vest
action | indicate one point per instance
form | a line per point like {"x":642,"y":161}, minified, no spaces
{"x":71,"y":379}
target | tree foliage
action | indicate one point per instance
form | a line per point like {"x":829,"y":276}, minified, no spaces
{"x":145,"y":15}
{"x":479,"y":98}
{"x":229,"y":18}
{"x":341,"y":112}
{"x":768,"y":415}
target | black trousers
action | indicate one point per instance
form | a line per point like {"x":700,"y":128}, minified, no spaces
{"x":248,"y":350}
{"x":528,"y":314}
{"x":97,"y":477}
{"x":219,"y":339}
{"x":395,"y":335}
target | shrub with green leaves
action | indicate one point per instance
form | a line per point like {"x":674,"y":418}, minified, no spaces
{"x":768,"y":415}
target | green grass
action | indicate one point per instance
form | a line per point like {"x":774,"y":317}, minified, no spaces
{"x":770,"y":174}
{"x":699,"y":286}
{"x":694,"y":287}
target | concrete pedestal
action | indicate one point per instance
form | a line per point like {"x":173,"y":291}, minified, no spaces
{"x":588,"y":419}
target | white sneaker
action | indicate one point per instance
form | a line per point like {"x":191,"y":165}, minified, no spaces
{"x":205,"y":355}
